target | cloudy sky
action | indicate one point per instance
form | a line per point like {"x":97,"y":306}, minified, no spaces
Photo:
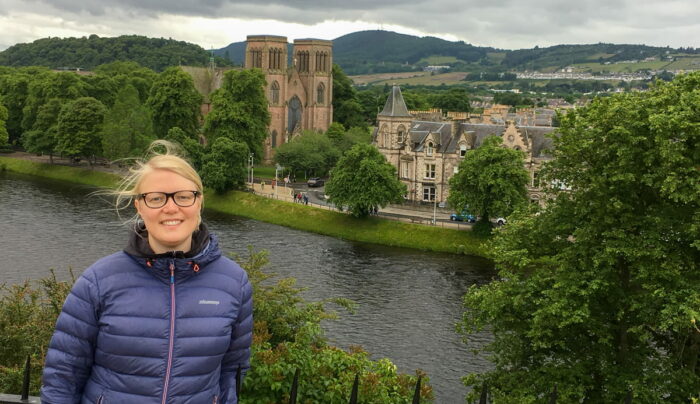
{"x":506,"y":24}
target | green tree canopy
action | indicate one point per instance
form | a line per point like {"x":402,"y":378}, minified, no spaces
{"x":454,"y":99}
{"x":225,"y":165}
{"x":79,"y":128}
{"x":42,"y":139}
{"x":599,"y":293}
{"x":347,"y":109}
{"x":491,"y":181}
{"x":128,"y":129}
{"x":193,"y":149}
{"x":48,"y":85}
{"x":14,"y":88}
{"x":311,"y":152}
{"x":4,"y":137}
{"x":363,"y":180}
{"x":239,"y":110}
{"x":174,"y":102}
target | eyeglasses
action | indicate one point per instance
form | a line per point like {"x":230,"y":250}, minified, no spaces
{"x":155,"y":200}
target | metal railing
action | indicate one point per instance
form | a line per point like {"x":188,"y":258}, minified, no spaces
{"x":24,"y":397}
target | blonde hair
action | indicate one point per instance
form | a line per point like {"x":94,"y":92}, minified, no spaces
{"x":161,"y":155}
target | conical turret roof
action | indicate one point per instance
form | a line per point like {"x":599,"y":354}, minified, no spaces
{"x":395,"y":105}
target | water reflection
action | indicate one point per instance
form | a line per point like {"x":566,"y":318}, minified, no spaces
{"x":408,"y":300}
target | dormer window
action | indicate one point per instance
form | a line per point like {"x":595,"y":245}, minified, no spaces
{"x":429,"y":150}
{"x":462,"y":150}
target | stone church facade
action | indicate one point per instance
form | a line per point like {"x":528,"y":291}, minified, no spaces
{"x":427,"y":154}
{"x":299,"y":95}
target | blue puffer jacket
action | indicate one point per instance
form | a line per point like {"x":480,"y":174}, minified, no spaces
{"x":139,"y":329}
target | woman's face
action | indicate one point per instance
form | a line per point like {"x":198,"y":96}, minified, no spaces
{"x":170,"y":227}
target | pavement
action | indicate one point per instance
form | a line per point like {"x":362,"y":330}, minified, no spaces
{"x":317,"y":199}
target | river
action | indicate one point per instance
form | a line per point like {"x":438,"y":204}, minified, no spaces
{"x":408,"y":300}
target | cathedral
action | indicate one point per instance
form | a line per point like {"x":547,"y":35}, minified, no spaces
{"x":299,"y":88}
{"x":427,"y":154}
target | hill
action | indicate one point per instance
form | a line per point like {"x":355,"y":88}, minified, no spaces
{"x":373,"y":52}
{"x":92,"y":51}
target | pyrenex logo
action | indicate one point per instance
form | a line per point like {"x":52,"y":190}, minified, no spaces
{"x":208,"y":302}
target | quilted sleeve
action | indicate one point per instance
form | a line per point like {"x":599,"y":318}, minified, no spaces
{"x":70,"y":354}
{"x":238,"y":354}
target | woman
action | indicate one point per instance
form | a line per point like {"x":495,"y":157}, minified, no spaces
{"x":167,"y":320}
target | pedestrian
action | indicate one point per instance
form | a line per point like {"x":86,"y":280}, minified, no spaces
{"x":166,"y":320}
{"x":306,"y":199}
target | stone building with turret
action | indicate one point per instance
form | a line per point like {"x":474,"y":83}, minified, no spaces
{"x":427,"y":154}
{"x":299,"y":89}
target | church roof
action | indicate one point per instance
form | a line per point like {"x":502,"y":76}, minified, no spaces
{"x":395,"y":105}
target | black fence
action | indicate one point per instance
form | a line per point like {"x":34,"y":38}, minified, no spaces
{"x":293,"y":394}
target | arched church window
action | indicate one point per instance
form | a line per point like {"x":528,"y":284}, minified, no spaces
{"x":275,"y":93}
{"x":294,"y":114}
{"x":273,"y":139}
{"x":321,"y":93}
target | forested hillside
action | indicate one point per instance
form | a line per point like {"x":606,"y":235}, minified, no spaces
{"x":368,"y":52}
{"x":92,"y":51}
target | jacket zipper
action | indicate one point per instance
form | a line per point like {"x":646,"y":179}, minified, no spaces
{"x":99,"y":399}
{"x":171,"y":342}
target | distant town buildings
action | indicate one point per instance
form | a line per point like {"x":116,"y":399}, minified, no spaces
{"x":426,"y":148}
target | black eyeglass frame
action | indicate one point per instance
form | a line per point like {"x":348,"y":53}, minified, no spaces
{"x":168,"y":195}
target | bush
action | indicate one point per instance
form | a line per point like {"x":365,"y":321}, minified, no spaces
{"x":287,"y":336}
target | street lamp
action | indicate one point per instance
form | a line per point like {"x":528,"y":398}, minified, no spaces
{"x":277,"y":168}
{"x":250,"y":166}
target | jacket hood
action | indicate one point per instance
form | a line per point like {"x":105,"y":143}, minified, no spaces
{"x":205,"y":249}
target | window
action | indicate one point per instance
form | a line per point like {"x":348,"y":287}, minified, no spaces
{"x":404,"y":170}
{"x":462,"y":150}
{"x":385,"y":140}
{"x":320,"y":93}
{"x":429,"y":150}
{"x":428,"y":194}
{"x":273,"y":138}
{"x":430,"y":171}
{"x":455,"y":169}
{"x":400,"y":134}
{"x":275,"y":93}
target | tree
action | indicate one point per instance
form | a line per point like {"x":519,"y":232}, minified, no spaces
{"x":454,"y":99}
{"x":491,"y":181}
{"x":79,"y":127}
{"x":363,"y":180}
{"x":46,"y":86}
{"x":599,"y":293}
{"x":4,"y":137}
{"x":191,"y":146}
{"x":347,"y":109}
{"x":312,"y":152}
{"x":174,"y":102}
{"x":225,"y":165}
{"x":239,"y":110}
{"x":13,"y":92}
{"x":42,"y":139}
{"x":128,"y":129}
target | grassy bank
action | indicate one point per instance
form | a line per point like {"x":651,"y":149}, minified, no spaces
{"x":335,"y":224}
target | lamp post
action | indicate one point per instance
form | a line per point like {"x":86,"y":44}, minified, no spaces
{"x":250,"y":166}
{"x":434,"y":206}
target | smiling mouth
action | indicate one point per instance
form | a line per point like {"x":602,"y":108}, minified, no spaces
{"x":171,"y":222}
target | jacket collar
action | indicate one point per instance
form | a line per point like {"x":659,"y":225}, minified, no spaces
{"x":205,"y":249}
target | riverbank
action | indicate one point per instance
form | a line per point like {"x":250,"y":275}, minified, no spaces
{"x":306,"y":218}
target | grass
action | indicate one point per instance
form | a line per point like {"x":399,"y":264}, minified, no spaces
{"x":341,"y":225}
{"x":307,"y":218}
{"x":438,"y":60}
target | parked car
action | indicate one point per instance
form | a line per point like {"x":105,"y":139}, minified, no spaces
{"x":315,"y":182}
{"x":464,"y":216}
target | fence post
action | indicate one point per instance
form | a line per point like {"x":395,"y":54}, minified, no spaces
{"x":295,"y":385}
{"x":484,"y":394}
{"x":355,"y":386}
{"x":554,"y":396}
{"x":416,"y":395}
{"x":25,"y":382}
{"x":238,"y":383}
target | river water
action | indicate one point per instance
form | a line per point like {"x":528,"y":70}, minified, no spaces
{"x":408,"y":301}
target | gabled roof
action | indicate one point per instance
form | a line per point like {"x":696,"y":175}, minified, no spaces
{"x":395,"y":105}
